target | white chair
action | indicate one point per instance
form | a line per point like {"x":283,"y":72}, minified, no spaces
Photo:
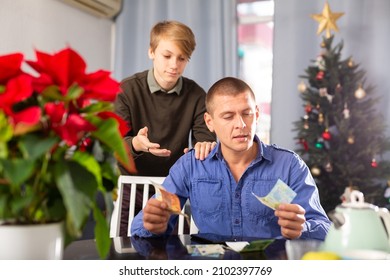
{"x":146,"y":182}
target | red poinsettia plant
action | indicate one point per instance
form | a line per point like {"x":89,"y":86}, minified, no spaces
{"x":59,"y":143}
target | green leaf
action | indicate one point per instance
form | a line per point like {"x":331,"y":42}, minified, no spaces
{"x":3,"y":206}
{"x":78,"y":188}
{"x":74,"y":92}
{"x":108,"y":201}
{"x":20,"y":204}
{"x":35,"y":146}
{"x":3,"y":151}
{"x":17,"y":171}
{"x":98,"y":107}
{"x":52,"y":93}
{"x":56,"y":210}
{"x":89,"y":163}
{"x":6,"y":130}
{"x":109,"y":172}
{"x":102,"y":234}
{"x":108,"y":133}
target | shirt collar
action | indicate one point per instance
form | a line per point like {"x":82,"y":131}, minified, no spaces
{"x":155,"y":87}
{"x":261,"y":153}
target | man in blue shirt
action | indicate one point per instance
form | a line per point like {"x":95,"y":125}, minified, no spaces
{"x":221,"y":187}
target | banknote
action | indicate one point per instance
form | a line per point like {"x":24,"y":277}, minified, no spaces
{"x":169,"y":198}
{"x":280,"y":193}
{"x":210,"y":250}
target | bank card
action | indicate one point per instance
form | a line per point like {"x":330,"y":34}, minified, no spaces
{"x":280,"y":193}
{"x":169,"y":198}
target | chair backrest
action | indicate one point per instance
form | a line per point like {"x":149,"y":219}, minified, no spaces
{"x":146,"y":183}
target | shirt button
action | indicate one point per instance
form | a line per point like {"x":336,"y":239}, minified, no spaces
{"x":237,"y":221}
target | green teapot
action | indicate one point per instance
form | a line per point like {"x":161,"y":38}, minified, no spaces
{"x":358,"y":226}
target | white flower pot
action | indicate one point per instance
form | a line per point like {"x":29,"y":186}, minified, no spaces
{"x":32,"y":242}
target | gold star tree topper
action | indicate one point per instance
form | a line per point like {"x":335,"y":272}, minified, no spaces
{"x":327,"y":20}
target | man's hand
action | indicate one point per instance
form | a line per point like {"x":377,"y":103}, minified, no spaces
{"x":141,"y":143}
{"x":156,"y":216}
{"x":202,"y":149}
{"x":291,"y":219}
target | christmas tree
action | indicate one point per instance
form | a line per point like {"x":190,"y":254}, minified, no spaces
{"x":341,"y":134}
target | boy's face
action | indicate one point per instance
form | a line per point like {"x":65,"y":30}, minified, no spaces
{"x":234,"y":120}
{"x":169,"y":63}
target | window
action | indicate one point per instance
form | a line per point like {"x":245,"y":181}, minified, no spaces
{"x":255,"y":37}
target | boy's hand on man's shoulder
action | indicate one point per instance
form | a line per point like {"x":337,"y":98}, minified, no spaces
{"x":202,"y":149}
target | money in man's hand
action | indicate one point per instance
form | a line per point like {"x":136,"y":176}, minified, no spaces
{"x":280,"y":193}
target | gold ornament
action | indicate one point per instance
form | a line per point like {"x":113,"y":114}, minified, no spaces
{"x":301,"y":87}
{"x":351,"y":140}
{"x":350,"y":63}
{"x":327,"y":20}
{"x":323,"y":92}
{"x":360,"y":93}
{"x":315,"y":171}
{"x":320,"y":118}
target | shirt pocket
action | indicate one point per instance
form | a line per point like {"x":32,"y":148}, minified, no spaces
{"x":209,"y":197}
{"x":257,"y":212}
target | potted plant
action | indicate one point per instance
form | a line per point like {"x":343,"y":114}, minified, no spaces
{"x":59,"y":143}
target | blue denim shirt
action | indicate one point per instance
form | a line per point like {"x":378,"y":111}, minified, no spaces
{"x":223,"y":206}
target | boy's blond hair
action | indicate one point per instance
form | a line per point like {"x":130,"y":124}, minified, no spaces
{"x":175,"y":31}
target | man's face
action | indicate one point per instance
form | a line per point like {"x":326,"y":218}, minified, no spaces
{"x":169,"y":63}
{"x":234,"y":120}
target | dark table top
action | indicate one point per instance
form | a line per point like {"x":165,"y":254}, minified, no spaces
{"x":167,"y":248}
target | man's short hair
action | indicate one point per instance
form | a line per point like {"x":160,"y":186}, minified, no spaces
{"x":228,"y":86}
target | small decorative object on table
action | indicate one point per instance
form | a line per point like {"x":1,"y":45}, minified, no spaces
{"x":59,"y":142}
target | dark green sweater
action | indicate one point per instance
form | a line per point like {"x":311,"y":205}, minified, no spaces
{"x":169,"y":118}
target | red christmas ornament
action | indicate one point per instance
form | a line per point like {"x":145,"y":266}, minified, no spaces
{"x":326,"y":135}
{"x":308,"y":108}
{"x":374,"y":164}
{"x":320,"y":75}
{"x":304,"y":143}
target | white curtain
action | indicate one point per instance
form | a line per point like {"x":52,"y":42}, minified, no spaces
{"x":212,"y":21}
{"x":364,"y":29}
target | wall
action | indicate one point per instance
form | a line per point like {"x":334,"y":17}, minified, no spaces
{"x":50,"y":25}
